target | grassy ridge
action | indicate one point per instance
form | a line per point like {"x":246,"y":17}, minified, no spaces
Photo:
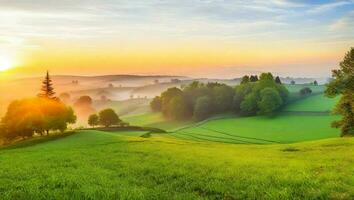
{"x":100,"y":165}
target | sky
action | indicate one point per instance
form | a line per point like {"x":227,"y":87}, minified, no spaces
{"x":200,"y":38}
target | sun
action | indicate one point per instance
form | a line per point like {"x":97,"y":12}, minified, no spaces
{"x":5,"y":63}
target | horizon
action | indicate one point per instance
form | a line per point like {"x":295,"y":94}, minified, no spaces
{"x":214,"y":39}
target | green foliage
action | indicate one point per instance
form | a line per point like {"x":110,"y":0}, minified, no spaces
{"x":184,"y":105}
{"x":177,"y":108}
{"x":108,"y":117}
{"x":202,"y":108}
{"x":315,"y":83}
{"x":270,"y":101}
{"x":249,"y":100}
{"x":305,"y":91}
{"x":93,"y":120}
{"x":156,"y":104}
{"x":243,"y":99}
{"x":223,"y":98}
{"x":277,"y":80}
{"x":38,"y":115}
{"x":245,"y":79}
{"x":343,"y":84}
{"x":253,"y":78}
{"x":249,"y":104}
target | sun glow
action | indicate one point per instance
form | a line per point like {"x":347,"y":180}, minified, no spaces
{"x":5,"y":63}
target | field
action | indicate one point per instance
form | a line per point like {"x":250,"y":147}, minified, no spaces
{"x":156,"y":120}
{"x":292,"y":155}
{"x":306,"y":119}
{"x":315,"y":103}
{"x":259,"y":130}
{"x":101,"y":165}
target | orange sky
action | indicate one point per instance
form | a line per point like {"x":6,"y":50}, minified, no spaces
{"x":194,"y":38}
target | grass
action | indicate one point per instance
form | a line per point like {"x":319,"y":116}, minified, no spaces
{"x":126,"y":107}
{"x":155,"y":120}
{"x":279,"y":129}
{"x":296,"y":88}
{"x":317,"y":103}
{"x":101,"y":165}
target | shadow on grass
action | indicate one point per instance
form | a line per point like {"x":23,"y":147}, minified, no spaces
{"x":35,"y":140}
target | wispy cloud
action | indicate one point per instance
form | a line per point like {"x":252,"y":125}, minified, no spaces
{"x":345,"y":23}
{"x":329,"y":6}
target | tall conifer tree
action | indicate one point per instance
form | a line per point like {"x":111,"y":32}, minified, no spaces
{"x":47,"y":89}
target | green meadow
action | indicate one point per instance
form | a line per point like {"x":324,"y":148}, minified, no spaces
{"x":108,"y":165}
{"x":315,"y":103}
{"x":259,"y":130}
{"x":294,"y":154}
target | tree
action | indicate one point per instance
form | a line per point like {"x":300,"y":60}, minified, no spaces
{"x":167,"y":96}
{"x":223,"y":98}
{"x":315,"y":83}
{"x":249,"y":104}
{"x":37,"y":115}
{"x":305,"y":91}
{"x":292,"y":82}
{"x":270,"y":101}
{"x":277,"y":80}
{"x":203,"y":108}
{"x":240,"y":92}
{"x":245,"y":79}
{"x":47,"y":90}
{"x":108,"y":117}
{"x":93,"y":120}
{"x":253,"y":78}
{"x":177,"y":108}
{"x":83,"y":107}
{"x":156,"y":104}
{"x":343,"y":84}
{"x":83,"y":101}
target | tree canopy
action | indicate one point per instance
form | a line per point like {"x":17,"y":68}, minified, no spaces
{"x":37,"y":115}
{"x":343,"y":84}
{"x":93,"y":120}
{"x":200,"y":101}
{"x":108,"y":117}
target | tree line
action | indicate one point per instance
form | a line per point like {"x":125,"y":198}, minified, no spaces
{"x":254,"y":96}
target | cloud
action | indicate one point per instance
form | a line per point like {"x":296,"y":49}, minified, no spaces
{"x":328,"y":6}
{"x":345,"y":23}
